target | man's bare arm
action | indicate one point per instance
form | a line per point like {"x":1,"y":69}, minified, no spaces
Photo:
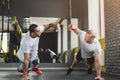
{"x":53,"y":25}
{"x":73,"y":28}
{"x":98,"y":65}
{"x":26,"y":64}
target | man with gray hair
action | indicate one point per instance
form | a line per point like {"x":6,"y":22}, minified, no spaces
{"x":90,"y":50}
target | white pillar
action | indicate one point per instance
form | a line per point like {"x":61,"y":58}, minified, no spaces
{"x":74,"y":37}
{"x":102,"y":19}
{"x":59,"y":41}
{"x":94,"y":16}
{"x":64,"y":35}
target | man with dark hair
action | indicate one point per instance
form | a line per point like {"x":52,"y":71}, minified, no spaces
{"x":90,"y":50}
{"x":28,"y":50}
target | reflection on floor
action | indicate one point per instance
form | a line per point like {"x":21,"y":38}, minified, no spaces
{"x":54,"y":75}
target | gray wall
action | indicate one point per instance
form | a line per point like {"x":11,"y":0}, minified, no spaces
{"x":43,"y":8}
{"x":112,"y":25}
{"x":83,"y":18}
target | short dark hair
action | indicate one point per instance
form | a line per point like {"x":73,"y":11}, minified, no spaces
{"x":32,"y":27}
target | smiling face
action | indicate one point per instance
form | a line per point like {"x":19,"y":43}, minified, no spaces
{"x":34,"y":31}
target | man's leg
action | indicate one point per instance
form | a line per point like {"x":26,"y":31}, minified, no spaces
{"x":21,"y":66}
{"x":75,"y":62}
{"x":36,"y":66}
{"x":55,"y":59}
{"x":90,"y":62}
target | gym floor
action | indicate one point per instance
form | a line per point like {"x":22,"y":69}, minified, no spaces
{"x":54,"y":75}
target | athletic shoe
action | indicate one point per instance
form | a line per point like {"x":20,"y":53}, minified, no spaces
{"x":69,"y":71}
{"x":39,"y":72}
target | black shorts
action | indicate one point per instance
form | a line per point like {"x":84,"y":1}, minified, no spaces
{"x":79,"y":58}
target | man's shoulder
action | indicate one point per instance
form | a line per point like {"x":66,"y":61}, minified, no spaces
{"x":96,"y":41}
{"x":82,"y":31}
{"x":25,"y":40}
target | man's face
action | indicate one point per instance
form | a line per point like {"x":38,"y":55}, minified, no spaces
{"x":37,"y":32}
{"x":90,"y":38}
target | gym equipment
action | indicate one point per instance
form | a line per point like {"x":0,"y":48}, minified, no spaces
{"x":8,"y":7}
{"x":1,"y":49}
